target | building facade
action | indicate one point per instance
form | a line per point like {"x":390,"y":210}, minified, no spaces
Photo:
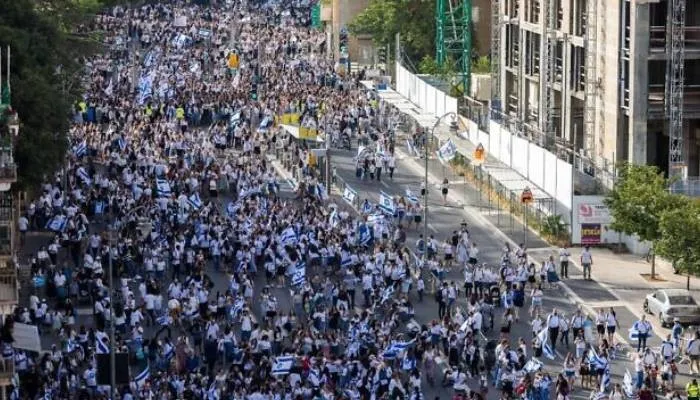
{"x":548,"y":49}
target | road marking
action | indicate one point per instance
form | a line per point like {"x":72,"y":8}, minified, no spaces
{"x":384,"y":184}
{"x":432,"y":228}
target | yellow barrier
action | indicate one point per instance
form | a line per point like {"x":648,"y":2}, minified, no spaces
{"x":308,"y":134}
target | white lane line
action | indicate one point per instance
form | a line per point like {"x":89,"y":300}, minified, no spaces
{"x":384,"y":184}
{"x":432,"y":228}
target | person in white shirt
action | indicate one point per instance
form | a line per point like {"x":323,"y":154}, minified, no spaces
{"x":586,"y":262}
{"x":564,"y":262}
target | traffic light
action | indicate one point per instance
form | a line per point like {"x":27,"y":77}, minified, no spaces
{"x":381,"y":55}
{"x":343,"y":43}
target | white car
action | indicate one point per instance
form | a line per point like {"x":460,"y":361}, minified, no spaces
{"x":673,"y":304}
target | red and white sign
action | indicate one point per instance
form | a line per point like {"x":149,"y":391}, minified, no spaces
{"x":593,"y":214}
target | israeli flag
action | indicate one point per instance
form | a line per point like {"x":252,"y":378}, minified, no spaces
{"x":334,"y":218}
{"x":237,"y":308}
{"x":387,"y":293}
{"x":349,"y":195}
{"x":628,"y":386}
{"x":265,"y":124}
{"x":346,"y":260}
{"x":321,"y":192}
{"x":547,"y":350}
{"x":122,"y":143}
{"x":288,"y":237}
{"x":395,"y":348}
{"x":100,"y":346}
{"x":163,"y":188}
{"x":163,"y":320}
{"x":408,"y":364}
{"x":365,"y":235}
{"x":231,"y":209}
{"x":283,"y":365}
{"x":314,"y":377}
{"x":142,"y":377}
{"x":299,"y":274}
{"x":367,"y":207}
{"x":194,"y":201}
{"x":205,"y":33}
{"x":412,"y":198}
{"x":411,"y":150}
{"x":80,"y":149}
{"x":605,"y":382}
{"x":596,"y":360}
{"x":235,"y":118}
{"x":84,"y":176}
{"x":375,"y":219}
{"x":533,"y":365}
{"x":57,"y":223}
{"x":447,"y":151}
{"x":386,"y":203}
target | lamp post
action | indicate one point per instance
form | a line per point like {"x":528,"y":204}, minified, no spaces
{"x":145,"y":229}
{"x":453,"y":127}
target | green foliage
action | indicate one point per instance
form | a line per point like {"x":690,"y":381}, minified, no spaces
{"x":40,"y":37}
{"x":413,"y":19}
{"x":638,"y":200}
{"x":553,"y":225}
{"x":482,"y":65}
{"x":680,"y":236}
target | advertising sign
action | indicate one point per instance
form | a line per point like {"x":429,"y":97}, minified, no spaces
{"x":591,"y":233}
{"x":593,"y":214}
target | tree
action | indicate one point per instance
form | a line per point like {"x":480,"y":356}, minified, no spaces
{"x":680,"y":237}
{"x":638,"y":200}
{"x":413,"y":19}
{"x":41,"y":38}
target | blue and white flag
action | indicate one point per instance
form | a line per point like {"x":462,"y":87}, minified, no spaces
{"x":412,"y":198}
{"x":101,"y":343}
{"x":628,"y":386}
{"x":321,"y":193}
{"x":142,"y":377}
{"x":349,"y":195}
{"x":299,"y":274}
{"x":80,"y":149}
{"x":346,"y":260}
{"x":387,"y":293}
{"x":547,"y":350}
{"x":122,"y":143}
{"x":334,"y":218}
{"x":386,"y":203}
{"x":231,"y":209}
{"x":395,"y":349}
{"x":447,"y":151}
{"x":288,"y":237}
{"x":237,"y":308}
{"x":411,"y":150}
{"x":205,"y":33}
{"x":84,"y":176}
{"x":364,"y":235}
{"x":163,"y":188}
{"x":533,"y":365}
{"x":367,"y":207}
{"x":314,"y":377}
{"x":375,"y":219}
{"x":194,"y":201}
{"x":265,"y":124}
{"x":57,"y":223}
{"x":605,"y":382}
{"x":282,"y":365}
{"x":235,"y":118}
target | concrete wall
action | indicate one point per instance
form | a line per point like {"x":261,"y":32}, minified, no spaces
{"x":481,"y":17}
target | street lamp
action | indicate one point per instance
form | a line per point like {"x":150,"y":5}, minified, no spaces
{"x":144,"y":227}
{"x":453,"y":128}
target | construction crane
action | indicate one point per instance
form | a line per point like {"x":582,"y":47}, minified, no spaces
{"x":591,"y":81}
{"x":549,"y":74}
{"x":453,"y":38}
{"x":496,"y":57}
{"x":675,"y":76}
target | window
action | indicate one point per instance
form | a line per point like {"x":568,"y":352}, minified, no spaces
{"x":681,"y":300}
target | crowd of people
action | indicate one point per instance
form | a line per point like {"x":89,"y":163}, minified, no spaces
{"x":224,"y":288}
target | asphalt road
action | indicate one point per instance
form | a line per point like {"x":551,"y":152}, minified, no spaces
{"x":463,"y":203}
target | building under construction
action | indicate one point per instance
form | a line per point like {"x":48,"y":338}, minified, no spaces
{"x":614,"y":80}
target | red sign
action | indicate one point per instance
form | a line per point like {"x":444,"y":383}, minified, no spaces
{"x":591,"y":233}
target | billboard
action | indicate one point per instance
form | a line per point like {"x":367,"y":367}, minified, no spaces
{"x":591,"y":233}
{"x":593,"y":213}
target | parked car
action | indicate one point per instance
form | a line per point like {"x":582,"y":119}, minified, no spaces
{"x":671,"y":304}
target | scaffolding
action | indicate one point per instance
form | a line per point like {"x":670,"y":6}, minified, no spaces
{"x":548,"y":74}
{"x":675,"y":74}
{"x":496,"y":56}
{"x":453,"y":37}
{"x":591,"y":80}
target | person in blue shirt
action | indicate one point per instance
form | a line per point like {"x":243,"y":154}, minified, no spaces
{"x":643,"y":328}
